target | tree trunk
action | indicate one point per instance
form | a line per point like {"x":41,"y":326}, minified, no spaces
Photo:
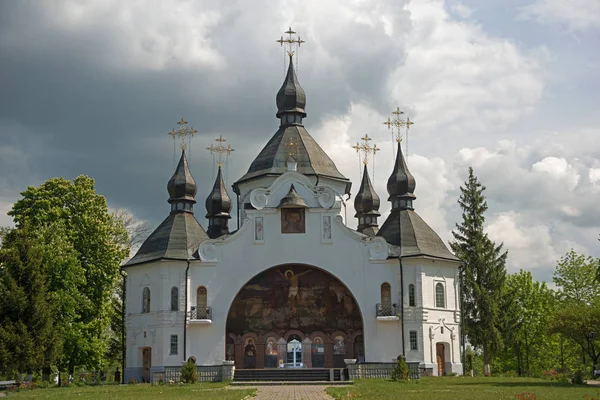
{"x":486,"y":361}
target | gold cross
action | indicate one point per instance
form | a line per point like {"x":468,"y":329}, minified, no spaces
{"x":365,"y":148}
{"x":183,"y":132}
{"x":290,"y":42}
{"x":220,"y":149}
{"x":292,"y":147}
{"x":397,"y":122}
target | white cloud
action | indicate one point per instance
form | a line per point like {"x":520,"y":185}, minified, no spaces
{"x":576,"y":14}
{"x":457,"y":78}
{"x":459,"y":9}
{"x":559,"y":169}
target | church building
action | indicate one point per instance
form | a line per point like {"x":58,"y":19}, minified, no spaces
{"x":294,"y":286}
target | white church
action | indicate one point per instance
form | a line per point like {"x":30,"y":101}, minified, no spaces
{"x":293,"y":287}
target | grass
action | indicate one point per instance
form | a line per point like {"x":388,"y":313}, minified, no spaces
{"x":463,"y":388}
{"x":204,"y":391}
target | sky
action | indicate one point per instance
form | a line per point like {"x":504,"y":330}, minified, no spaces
{"x":508,"y":87}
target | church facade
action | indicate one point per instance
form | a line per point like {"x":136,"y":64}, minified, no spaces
{"x":293,"y":287}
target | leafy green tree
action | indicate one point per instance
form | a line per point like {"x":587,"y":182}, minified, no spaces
{"x":579,"y":322}
{"x":527,"y":307}
{"x":99,"y":242}
{"x":574,"y":277}
{"x":28,"y":314}
{"x":483,"y":272}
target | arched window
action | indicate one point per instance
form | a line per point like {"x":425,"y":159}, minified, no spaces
{"x":411,"y":295}
{"x":439,"y":295}
{"x":174,"y":298}
{"x":386,"y":299}
{"x":201,"y":303}
{"x":146,"y":300}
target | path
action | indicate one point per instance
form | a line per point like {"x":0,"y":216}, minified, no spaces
{"x":292,"y":392}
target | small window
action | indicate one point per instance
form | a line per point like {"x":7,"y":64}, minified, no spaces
{"x":411,"y":295}
{"x":414,"y":345}
{"x":146,"y":300}
{"x":174,"y":344}
{"x":439,"y":295}
{"x":174,"y":298}
{"x":386,"y":299}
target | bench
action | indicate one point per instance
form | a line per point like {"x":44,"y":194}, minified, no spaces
{"x":4,"y":385}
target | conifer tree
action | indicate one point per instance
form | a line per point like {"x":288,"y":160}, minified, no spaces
{"x":483,"y":272}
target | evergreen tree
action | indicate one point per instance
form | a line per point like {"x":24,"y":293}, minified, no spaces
{"x":483,"y":272}
{"x":28,"y":314}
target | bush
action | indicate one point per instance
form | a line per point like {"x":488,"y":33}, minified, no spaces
{"x":400,"y":372}
{"x":189,"y":373}
{"x":578,"y":377}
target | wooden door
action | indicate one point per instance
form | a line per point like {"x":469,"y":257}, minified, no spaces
{"x":146,"y":363}
{"x":439,"y":349}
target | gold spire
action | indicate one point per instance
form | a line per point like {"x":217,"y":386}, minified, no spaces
{"x":220,"y":149}
{"x":183,"y":132}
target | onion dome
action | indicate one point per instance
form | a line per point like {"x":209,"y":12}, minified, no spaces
{"x":366,"y":204}
{"x":182,"y":187}
{"x":218,"y":207}
{"x":401,"y":184}
{"x":292,"y":200}
{"x":179,"y":235}
{"x":291,"y":97}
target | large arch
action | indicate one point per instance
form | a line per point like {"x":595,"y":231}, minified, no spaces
{"x":295,"y":298}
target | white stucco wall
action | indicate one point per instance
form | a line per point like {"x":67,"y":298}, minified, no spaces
{"x":227,"y":264}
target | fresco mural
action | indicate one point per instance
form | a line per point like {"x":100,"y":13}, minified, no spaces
{"x":294,"y":297}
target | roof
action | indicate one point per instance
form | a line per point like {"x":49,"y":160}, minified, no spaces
{"x":418,"y":239}
{"x":291,"y":97}
{"x":182,"y":185}
{"x":309,"y":156}
{"x":176,"y":238}
{"x":366,"y":200}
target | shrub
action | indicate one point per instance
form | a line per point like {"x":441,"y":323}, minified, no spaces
{"x":189,"y":373}
{"x":400,"y":371}
{"x":578,"y":377}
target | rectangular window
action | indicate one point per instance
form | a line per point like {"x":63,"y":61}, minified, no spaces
{"x":413,"y":340}
{"x":174,"y":344}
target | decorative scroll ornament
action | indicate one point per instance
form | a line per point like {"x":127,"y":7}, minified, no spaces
{"x":208,"y":252}
{"x":378,"y":249}
{"x":259,"y":198}
{"x":325,"y":196}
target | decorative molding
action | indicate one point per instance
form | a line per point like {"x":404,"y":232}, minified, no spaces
{"x":326,"y":229}
{"x":378,"y":249}
{"x":146,"y":281}
{"x":259,"y":231}
{"x":208,"y":252}
{"x":259,"y":198}
{"x":325,"y":196}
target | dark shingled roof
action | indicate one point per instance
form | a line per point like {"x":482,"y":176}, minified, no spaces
{"x":177,"y":238}
{"x":366,"y":201}
{"x":418,"y":239}
{"x":218,"y":202}
{"x":310,"y":157}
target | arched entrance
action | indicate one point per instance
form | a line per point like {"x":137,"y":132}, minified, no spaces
{"x":308,"y":301}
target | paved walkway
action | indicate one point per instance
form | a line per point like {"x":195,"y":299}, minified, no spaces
{"x":292,"y":392}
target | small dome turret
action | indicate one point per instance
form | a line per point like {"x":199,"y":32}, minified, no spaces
{"x":291,"y":98}
{"x":401,"y":184}
{"x":218,"y":208}
{"x":366,"y":204}
{"x":182,"y":186}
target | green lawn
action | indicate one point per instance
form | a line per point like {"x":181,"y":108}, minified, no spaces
{"x":204,"y":391}
{"x":463,"y":388}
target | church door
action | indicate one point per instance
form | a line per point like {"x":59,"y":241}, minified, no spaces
{"x":146,"y":363}
{"x":439,"y":349}
{"x":294,"y":352}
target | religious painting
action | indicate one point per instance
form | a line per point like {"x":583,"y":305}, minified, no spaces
{"x":249,"y":354}
{"x":230,"y":350}
{"x":271,"y":353}
{"x":339,"y":352}
{"x":338,"y":345}
{"x":258,"y":229}
{"x":317,"y":350}
{"x":294,"y":297}
{"x":292,"y":220}
{"x":327,"y":227}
